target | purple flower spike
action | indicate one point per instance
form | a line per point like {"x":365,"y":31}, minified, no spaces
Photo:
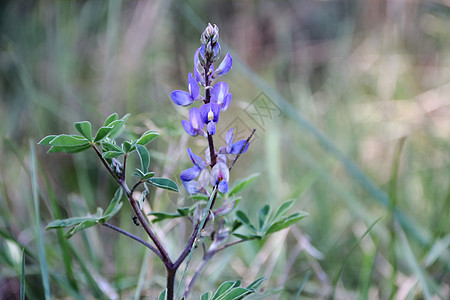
{"x":220,"y":175}
{"x":220,"y":95}
{"x":195,"y":125}
{"x":188,"y":175}
{"x":185,"y":98}
{"x":224,"y":67}
{"x":234,"y":148}
{"x":210,"y":116}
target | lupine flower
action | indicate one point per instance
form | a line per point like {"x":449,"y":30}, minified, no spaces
{"x":199,"y":170}
{"x":220,"y":175}
{"x":224,"y":67}
{"x":220,"y":95}
{"x":210,"y":116}
{"x":195,"y":124}
{"x":185,"y":98}
{"x":233,"y":148}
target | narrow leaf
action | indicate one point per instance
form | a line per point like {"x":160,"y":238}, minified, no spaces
{"x":84,"y":225}
{"x":245,"y":220}
{"x":237,"y":293}
{"x":46,"y":141}
{"x":127,"y":147}
{"x":66,"y":140}
{"x":85,"y":128}
{"x":107,"y":146}
{"x":263,"y":216}
{"x":206,"y":296}
{"x":255,"y":284}
{"x":164,"y":183}
{"x":286,"y":222}
{"x":69,"y":149}
{"x":282,"y":210}
{"x":248,"y":237}
{"x":115,"y":202}
{"x":223,"y":288}
{"x":162,"y":296}
{"x":117,"y":128}
{"x":241,"y":184}
{"x":147,"y":137}
{"x":111,"y":154}
{"x":144,"y":157}
{"x":69,"y":222}
{"x":111,"y":118}
{"x":102,"y":133}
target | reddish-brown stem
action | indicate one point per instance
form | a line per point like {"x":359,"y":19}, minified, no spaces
{"x":164,"y":255}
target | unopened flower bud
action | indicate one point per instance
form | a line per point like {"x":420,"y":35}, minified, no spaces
{"x":211,"y":33}
{"x":117,"y":168}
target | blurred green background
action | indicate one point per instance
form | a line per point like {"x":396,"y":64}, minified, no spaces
{"x":360,"y":131}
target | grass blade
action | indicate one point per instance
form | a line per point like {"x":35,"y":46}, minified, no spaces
{"x":22,"y":277}
{"x":302,"y":285}
{"x":336,"y":279}
{"x":35,"y":189}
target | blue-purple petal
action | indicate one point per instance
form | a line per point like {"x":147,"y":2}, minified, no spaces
{"x":236,"y":148}
{"x":191,"y":186}
{"x":226,"y":102}
{"x":195,"y":119}
{"x":196,"y":160}
{"x":229,"y":140}
{"x":190,"y":174}
{"x":224,"y":66}
{"x":211,"y":127}
{"x":223,"y":186}
{"x":193,"y":87}
{"x":219,"y":92}
{"x":181,"y":98}
{"x":188,"y":128}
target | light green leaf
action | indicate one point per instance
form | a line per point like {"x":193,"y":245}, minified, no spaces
{"x":111,"y":154}
{"x":255,"y":284}
{"x":282,"y":210}
{"x":117,"y":128}
{"x":247,"y":237}
{"x":115,"y":204}
{"x":241,"y":184}
{"x":223,"y":288}
{"x":85,"y":128}
{"x":111,"y":118}
{"x":84,"y":225}
{"x":206,"y":296}
{"x":144,"y":157}
{"x":102,"y":133}
{"x":69,"y":149}
{"x":46,"y":141}
{"x":147,"y":137}
{"x":162,"y":296}
{"x":69,"y":222}
{"x":237,"y":293}
{"x":127,"y":147}
{"x":242,"y":216}
{"x":108,"y":146}
{"x":65,"y":140}
{"x":286,"y":222}
{"x":164,"y":183}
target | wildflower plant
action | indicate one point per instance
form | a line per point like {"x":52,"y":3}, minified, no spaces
{"x":216,"y":222}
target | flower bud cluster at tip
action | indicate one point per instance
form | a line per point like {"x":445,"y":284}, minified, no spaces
{"x":217,"y":98}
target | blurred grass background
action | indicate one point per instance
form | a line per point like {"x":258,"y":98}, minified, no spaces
{"x":363,"y":133}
